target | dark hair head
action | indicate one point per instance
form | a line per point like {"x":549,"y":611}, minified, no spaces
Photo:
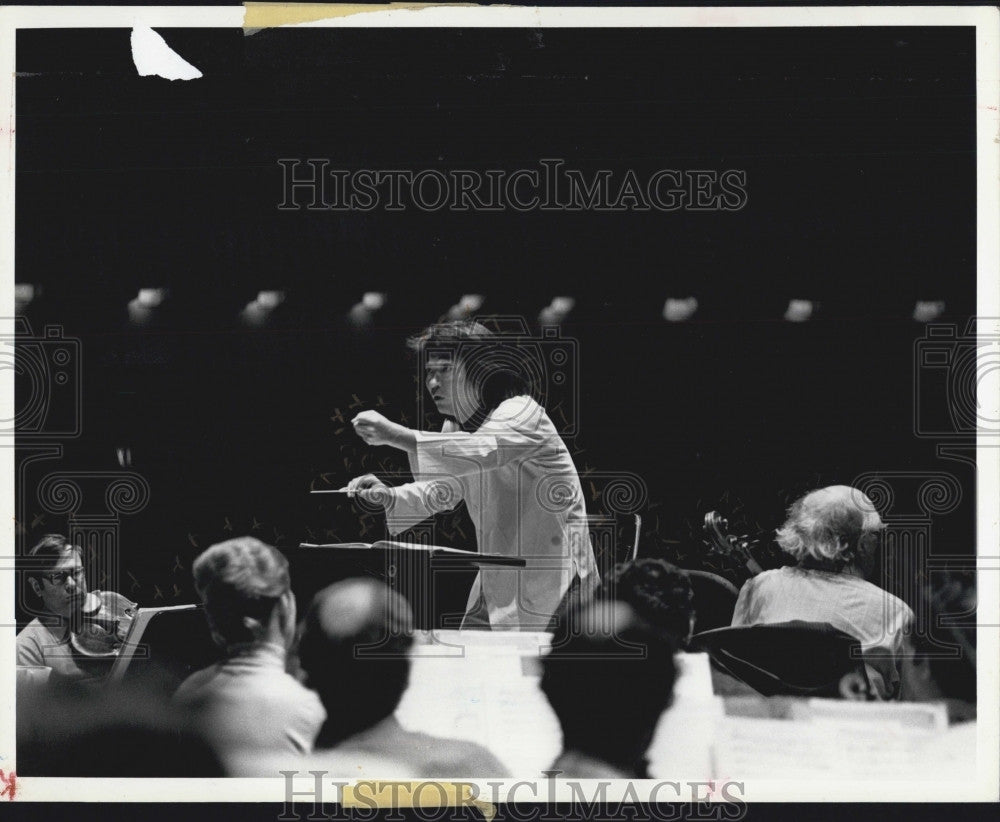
{"x":237,"y":579}
{"x":608,"y":681}
{"x":354,"y":650}
{"x":660,"y":593}
{"x":46,"y":554}
{"x":951,"y":603}
{"x":496,"y":365}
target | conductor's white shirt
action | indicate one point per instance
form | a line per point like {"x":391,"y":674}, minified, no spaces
{"x":523,"y":494}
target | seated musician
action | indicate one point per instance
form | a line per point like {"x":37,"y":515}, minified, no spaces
{"x":75,"y":633}
{"x":660,"y":593}
{"x":942,"y":666}
{"x":833,"y":533}
{"x":248,"y":700}
{"x":608,"y":683}
{"x":354,"y":651}
{"x":500,"y":453}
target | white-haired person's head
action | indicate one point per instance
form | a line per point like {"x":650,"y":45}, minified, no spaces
{"x":834,"y":529}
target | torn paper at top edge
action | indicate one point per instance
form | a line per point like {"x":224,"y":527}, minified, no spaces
{"x":153,"y":57}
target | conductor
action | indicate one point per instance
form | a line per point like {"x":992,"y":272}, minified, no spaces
{"x":499,"y":451}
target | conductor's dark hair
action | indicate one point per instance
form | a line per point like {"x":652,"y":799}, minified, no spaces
{"x":608,"y":682}
{"x":498,"y":366}
{"x":46,"y":554}
{"x":237,"y":579}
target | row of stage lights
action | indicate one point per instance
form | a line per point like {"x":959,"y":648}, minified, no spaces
{"x":256,"y":313}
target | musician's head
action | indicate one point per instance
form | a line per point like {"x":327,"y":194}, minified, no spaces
{"x":608,"y":682}
{"x":660,"y":593}
{"x":930,"y":675}
{"x":56,"y":576}
{"x":354,"y":648}
{"x":835,"y":528}
{"x":246,"y":590}
{"x":468,"y":368}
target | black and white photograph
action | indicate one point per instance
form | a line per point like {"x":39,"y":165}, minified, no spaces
{"x":487,"y":404}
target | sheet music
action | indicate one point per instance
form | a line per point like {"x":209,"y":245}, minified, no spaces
{"x":487,"y":695}
{"x":133,"y":640}
{"x":755,"y":748}
{"x":681,"y":746}
{"x":926,"y":716}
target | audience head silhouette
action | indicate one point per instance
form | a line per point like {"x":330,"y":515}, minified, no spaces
{"x":245,"y":587}
{"x":933,"y":675}
{"x":353,"y":651}
{"x":659,"y":593}
{"x":608,"y":681}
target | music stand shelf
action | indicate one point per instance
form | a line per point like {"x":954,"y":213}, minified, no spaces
{"x":439,"y":556}
{"x":434,"y":578}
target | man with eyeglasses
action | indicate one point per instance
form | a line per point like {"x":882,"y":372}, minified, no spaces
{"x":57,"y":594}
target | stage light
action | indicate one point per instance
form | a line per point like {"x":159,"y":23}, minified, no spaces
{"x":562,"y":305}
{"x":471,"y":302}
{"x":151,"y":297}
{"x":270,"y":300}
{"x":556,"y":311}
{"x":254,"y":314}
{"x":362,"y":313}
{"x":373,"y":300}
{"x":24,"y":294}
{"x":926,"y":311}
{"x":799,"y":311}
{"x":678,"y":310}
{"x":143,"y":306}
{"x":257,"y":312}
{"x":467,"y":305}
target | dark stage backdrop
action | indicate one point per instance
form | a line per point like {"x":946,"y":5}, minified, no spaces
{"x":860,"y":165}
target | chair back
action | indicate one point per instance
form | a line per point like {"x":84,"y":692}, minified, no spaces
{"x":789,"y":658}
{"x":714,"y":600}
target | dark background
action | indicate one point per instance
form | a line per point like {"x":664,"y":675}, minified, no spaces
{"x":859,"y":151}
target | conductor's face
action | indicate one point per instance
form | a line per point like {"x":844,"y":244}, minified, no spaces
{"x":450,"y":388}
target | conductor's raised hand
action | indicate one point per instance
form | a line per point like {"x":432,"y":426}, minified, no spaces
{"x":371,"y":489}
{"x":375,"y":429}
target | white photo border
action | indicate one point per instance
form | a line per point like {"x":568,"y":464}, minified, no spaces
{"x":981,"y":786}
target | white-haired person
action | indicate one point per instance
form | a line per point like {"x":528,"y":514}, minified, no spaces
{"x":833,"y":534}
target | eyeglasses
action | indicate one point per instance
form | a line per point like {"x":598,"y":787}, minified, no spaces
{"x":61,"y":577}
